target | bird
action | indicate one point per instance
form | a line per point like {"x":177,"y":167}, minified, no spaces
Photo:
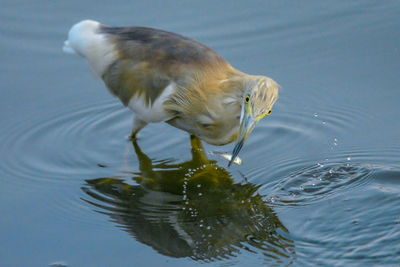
{"x":166,"y":77}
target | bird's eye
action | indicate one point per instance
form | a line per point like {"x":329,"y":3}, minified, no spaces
{"x":247,"y":99}
{"x":269,"y":112}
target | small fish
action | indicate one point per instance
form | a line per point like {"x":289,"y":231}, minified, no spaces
{"x":226,"y":156}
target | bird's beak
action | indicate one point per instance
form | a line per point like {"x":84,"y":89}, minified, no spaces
{"x":246,"y":127}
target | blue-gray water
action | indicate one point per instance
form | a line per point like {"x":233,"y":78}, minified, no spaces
{"x":320,"y":182}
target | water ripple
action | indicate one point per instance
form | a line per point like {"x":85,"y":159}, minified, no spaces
{"x":365,"y":221}
{"x":304,"y":182}
{"x":56,"y":148}
{"x":318,"y":182}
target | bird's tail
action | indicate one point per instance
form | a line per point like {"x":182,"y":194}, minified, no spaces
{"x":80,"y":37}
{"x":86,"y":39}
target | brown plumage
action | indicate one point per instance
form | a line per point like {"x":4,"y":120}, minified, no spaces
{"x":163,"y":76}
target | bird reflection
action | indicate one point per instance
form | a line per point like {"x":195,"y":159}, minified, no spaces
{"x":193,"y":209}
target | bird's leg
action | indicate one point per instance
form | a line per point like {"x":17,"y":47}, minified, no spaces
{"x":198,"y":152}
{"x":145,"y":163}
{"x":138,"y":125}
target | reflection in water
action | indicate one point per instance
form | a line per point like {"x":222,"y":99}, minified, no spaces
{"x":193,"y":209}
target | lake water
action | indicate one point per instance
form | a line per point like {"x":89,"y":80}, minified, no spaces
{"x":320,"y":179}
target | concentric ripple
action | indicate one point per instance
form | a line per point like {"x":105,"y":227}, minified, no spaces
{"x":64,"y":144}
{"x":304,"y":182}
{"x":365,"y":220}
{"x":317,"y":182}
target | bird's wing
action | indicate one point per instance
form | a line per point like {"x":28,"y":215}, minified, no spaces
{"x":148,"y":60}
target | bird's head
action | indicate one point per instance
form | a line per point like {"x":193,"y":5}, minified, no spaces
{"x":259,"y":97}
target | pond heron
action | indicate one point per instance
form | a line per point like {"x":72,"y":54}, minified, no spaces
{"x":163,"y":76}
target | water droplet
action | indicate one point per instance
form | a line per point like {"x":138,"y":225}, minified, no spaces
{"x":315,"y":115}
{"x":324,"y":122}
{"x":200,"y":194}
{"x":208,"y":227}
{"x":335,"y":141}
{"x":348,"y":158}
{"x":199,"y":185}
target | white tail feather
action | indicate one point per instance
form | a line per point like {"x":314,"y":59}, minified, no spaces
{"x":85,"y":40}
{"x":67,"y":48}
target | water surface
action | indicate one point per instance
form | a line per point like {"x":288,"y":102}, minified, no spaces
{"x":320,"y":179}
